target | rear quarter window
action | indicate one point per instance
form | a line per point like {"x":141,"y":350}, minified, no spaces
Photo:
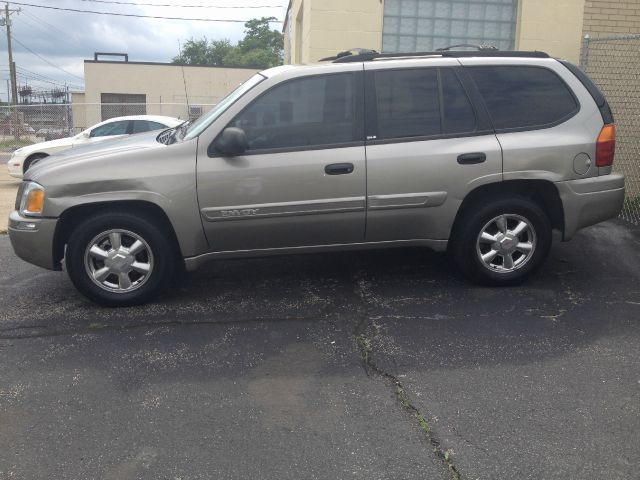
{"x":521,"y":97}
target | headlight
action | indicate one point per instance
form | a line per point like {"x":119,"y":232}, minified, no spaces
{"x":32,"y":199}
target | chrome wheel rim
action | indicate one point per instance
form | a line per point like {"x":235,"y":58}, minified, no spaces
{"x":506,"y":243}
{"x":118,"y":261}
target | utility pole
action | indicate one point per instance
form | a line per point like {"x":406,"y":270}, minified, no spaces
{"x":12,"y":70}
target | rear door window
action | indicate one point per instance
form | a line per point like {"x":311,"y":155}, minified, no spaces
{"x":408,"y":103}
{"x":519,"y":97}
{"x":458,"y":114}
{"x":421,"y":102}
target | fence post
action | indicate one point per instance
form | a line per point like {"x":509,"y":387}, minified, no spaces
{"x":584,"y":54}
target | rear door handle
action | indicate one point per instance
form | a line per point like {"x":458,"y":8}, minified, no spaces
{"x":338,"y":168}
{"x":471,"y":158}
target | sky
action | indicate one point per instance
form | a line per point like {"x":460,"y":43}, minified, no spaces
{"x":65,"y":39}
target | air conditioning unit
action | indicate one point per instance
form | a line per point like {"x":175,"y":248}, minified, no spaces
{"x":194,"y":112}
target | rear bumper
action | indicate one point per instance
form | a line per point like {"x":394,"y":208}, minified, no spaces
{"x":590,"y":200}
{"x":32,"y":239}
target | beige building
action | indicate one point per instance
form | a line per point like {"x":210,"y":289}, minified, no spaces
{"x":315,"y":29}
{"x":115,"y":88}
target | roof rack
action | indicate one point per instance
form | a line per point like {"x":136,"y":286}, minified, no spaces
{"x":364,"y":55}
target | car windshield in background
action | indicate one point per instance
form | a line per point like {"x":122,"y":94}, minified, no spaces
{"x":197,"y":127}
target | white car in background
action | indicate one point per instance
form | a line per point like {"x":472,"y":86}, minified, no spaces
{"x":24,"y":157}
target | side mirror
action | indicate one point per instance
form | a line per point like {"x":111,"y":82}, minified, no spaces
{"x":232,"y":141}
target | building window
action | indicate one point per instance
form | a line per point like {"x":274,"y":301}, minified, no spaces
{"x":121,"y":104}
{"x":425,"y":25}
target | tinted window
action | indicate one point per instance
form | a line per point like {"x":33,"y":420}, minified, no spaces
{"x":140,"y":126}
{"x":113,"y":128}
{"x":519,"y":97}
{"x":407,"y":102}
{"x":458,"y":114}
{"x":309,"y":111}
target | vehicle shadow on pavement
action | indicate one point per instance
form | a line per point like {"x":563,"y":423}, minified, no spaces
{"x":413,"y":296}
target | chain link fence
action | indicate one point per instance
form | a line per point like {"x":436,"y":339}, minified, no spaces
{"x":613,"y":63}
{"x":22,"y":125}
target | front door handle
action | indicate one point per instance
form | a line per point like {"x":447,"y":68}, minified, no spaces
{"x":338,"y":168}
{"x":471,"y":158}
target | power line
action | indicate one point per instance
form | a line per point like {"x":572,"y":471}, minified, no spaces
{"x":27,"y":75}
{"x":182,"y":6}
{"x":32,"y":24}
{"x":134,"y":15}
{"x":43,"y":78}
{"x":30,"y":79}
{"x":65,"y":35}
{"x":44,"y":59}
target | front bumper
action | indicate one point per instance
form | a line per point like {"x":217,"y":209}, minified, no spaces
{"x":32,"y":239}
{"x":14,"y":166}
{"x":590,"y":200}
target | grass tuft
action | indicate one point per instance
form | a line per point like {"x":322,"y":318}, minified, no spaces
{"x":13,"y":144}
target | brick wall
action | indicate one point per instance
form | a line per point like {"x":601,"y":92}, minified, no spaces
{"x":611,"y":18}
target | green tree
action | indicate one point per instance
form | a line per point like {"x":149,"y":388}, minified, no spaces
{"x":218,"y":50}
{"x":261,"y":44}
{"x":203,"y":52}
{"x":261,"y":47}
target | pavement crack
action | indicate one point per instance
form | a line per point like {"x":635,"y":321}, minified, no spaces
{"x":365,"y":332}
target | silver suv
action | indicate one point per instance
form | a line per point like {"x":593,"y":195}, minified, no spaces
{"x":484,"y":154}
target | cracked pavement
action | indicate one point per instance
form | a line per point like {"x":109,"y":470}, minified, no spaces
{"x":375,"y":365}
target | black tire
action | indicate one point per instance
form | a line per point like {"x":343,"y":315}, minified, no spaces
{"x":160,"y":253}
{"x":467,"y":249}
{"x":32,"y":160}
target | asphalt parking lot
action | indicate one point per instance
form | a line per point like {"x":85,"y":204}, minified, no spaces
{"x":373,"y":365}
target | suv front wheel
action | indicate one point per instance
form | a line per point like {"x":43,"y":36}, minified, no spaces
{"x":502,"y":242}
{"x":119,"y":259}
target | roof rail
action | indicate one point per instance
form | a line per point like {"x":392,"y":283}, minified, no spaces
{"x":347,"y":53}
{"x":368,"y":55}
{"x":467,"y":45}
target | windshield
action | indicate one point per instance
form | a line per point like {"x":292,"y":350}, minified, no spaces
{"x":197,"y":127}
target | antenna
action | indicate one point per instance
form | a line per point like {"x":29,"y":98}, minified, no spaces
{"x":184,"y":80}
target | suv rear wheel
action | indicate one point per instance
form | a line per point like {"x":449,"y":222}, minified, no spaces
{"x":119,"y":259}
{"x":502,"y":242}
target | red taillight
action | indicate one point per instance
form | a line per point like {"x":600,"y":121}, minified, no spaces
{"x":606,"y":146}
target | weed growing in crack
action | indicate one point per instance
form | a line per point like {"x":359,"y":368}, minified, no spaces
{"x":425,"y":425}
{"x":364,"y":345}
{"x":401,"y":395}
